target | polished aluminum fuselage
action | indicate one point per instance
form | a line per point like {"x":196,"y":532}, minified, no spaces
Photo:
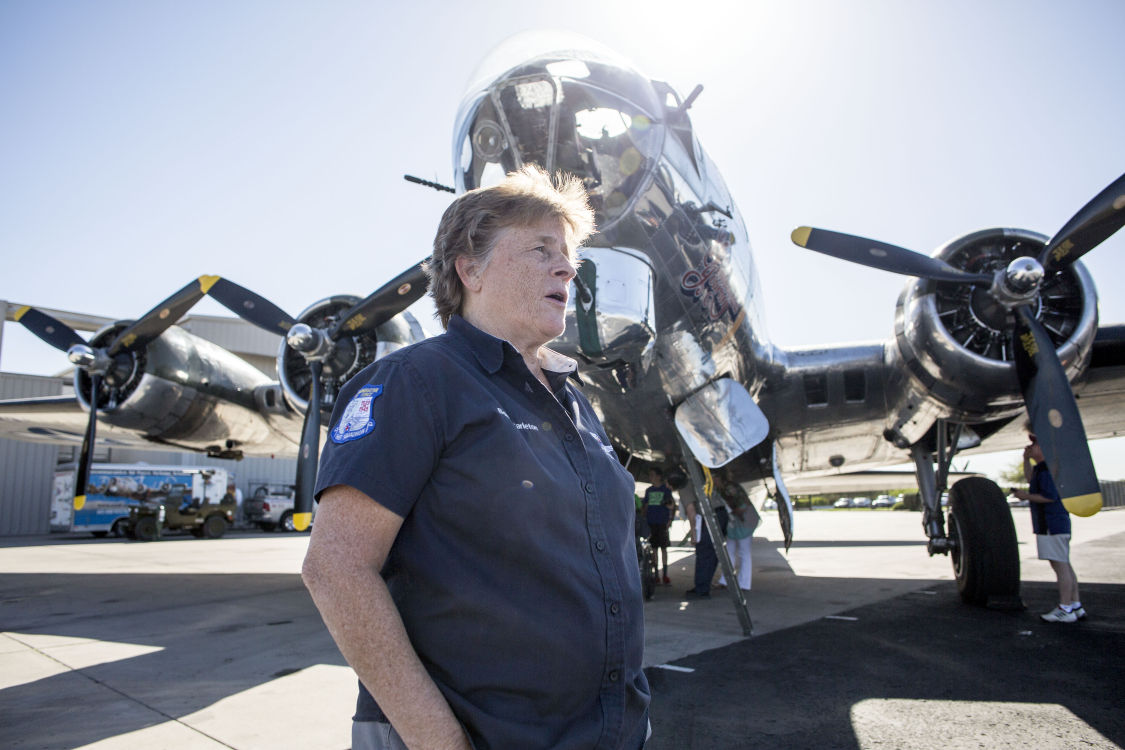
{"x":675,"y":292}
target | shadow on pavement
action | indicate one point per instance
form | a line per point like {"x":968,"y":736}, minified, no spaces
{"x":217,"y":635}
{"x":800,"y":687}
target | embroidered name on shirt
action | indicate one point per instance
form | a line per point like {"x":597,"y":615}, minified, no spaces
{"x":607,"y":449}
{"x":526,"y":426}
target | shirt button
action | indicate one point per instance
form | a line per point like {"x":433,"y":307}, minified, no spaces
{"x":569,"y":438}
{"x":601,"y":546}
{"x":614,"y":676}
{"x":614,"y":608}
{"x":589,"y":487}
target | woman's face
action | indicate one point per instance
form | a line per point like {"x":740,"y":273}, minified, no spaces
{"x":520,"y":295}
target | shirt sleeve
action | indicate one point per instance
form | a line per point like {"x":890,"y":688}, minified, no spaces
{"x":384,"y":439}
{"x":1046,"y":484}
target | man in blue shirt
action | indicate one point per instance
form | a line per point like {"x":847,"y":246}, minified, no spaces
{"x":1051,"y":523}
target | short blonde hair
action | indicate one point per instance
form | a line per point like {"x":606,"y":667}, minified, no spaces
{"x":472,"y":223}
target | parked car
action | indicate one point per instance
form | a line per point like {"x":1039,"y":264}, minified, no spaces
{"x":844,"y":502}
{"x":271,"y":507}
{"x":861,"y":502}
{"x":883,"y":501}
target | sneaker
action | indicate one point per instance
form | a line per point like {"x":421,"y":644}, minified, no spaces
{"x":667,"y":581}
{"x":698,"y":594}
{"x":1058,"y":614}
{"x":1079,"y":612}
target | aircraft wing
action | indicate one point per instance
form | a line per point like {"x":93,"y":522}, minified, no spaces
{"x":1102,"y":396}
{"x":861,"y":481}
{"x":58,"y":420}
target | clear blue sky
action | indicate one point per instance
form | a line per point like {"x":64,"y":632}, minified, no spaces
{"x":146,"y":142}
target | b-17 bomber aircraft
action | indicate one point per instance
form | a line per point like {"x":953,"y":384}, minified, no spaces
{"x":998,"y":328}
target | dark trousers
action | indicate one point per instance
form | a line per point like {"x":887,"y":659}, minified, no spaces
{"x":705,"y":563}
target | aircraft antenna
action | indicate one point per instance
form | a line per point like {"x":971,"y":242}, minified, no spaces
{"x":695,"y":92}
{"x":427,"y":183}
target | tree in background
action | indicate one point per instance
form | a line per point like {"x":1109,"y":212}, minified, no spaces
{"x":1014,"y":474}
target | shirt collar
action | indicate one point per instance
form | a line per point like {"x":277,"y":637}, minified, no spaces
{"x":491,"y":353}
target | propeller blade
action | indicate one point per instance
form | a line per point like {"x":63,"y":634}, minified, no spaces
{"x":883,"y":256}
{"x":383,"y":304}
{"x":309,"y":453}
{"x":57,"y":334}
{"x":157,"y":320}
{"x":87,"y":456}
{"x":1054,"y":415}
{"x":1087,"y":229}
{"x":250,"y":306}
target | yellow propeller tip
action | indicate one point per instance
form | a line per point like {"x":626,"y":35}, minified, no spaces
{"x":20,"y":313}
{"x":1083,"y":505}
{"x":800,"y":236}
{"x":302,"y":521}
{"x":206,"y":282}
{"x":79,"y":502}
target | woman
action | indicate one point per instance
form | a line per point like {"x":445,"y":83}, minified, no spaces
{"x":744,"y":519}
{"x":472,"y":554}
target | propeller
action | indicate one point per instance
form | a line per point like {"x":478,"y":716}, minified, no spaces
{"x":309,"y":454}
{"x":383,"y":304}
{"x":1050,"y":402}
{"x":157,"y":320}
{"x":58,"y":335}
{"x":99,"y":362}
{"x":316,"y":345}
{"x":1054,"y":416}
{"x":1091,"y":226}
{"x":881,"y":255}
{"x":65,"y":338}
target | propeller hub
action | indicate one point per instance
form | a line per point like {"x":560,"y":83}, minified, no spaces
{"x":93,"y":361}
{"x":1018,"y":283}
{"x":312,"y":343}
{"x":1024,"y":275}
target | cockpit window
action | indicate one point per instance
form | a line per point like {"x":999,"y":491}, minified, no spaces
{"x":563,"y":124}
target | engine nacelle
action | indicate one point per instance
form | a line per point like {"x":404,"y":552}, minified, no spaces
{"x":179,"y":389}
{"x":348,"y":354}
{"x":955,"y":339}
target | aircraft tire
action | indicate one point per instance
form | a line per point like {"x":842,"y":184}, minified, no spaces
{"x":214,"y":527}
{"x":985,"y":559}
{"x":146,"y":529}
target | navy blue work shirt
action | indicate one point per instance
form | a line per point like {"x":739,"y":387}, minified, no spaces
{"x":1047,"y":518}
{"x":515,"y":570}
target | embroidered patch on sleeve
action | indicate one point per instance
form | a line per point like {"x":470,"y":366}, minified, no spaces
{"x":356,"y":421}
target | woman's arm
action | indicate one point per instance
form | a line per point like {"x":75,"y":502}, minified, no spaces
{"x":350,"y":542}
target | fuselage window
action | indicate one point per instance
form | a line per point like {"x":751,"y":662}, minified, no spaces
{"x":855,"y":386}
{"x":816,"y":389}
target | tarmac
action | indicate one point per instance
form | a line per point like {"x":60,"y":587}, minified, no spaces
{"x":860,"y":641}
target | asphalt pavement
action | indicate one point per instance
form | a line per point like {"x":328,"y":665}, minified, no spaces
{"x":859,"y":641}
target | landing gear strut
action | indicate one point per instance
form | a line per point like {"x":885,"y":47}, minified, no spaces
{"x":703,"y":489}
{"x":982,"y":538}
